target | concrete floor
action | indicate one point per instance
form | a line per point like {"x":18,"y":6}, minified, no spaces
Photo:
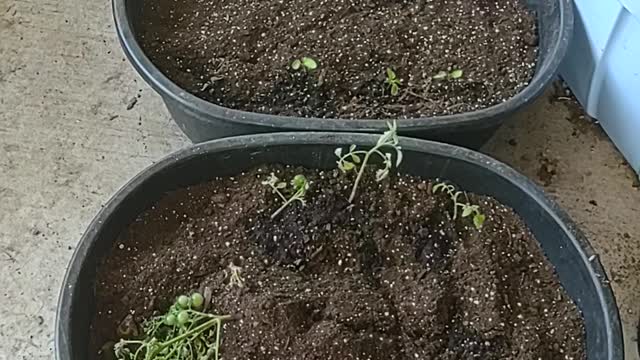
{"x":68,"y":142}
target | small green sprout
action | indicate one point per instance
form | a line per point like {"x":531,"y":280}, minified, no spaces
{"x":234,"y":278}
{"x":182,"y":333}
{"x":351,"y":160}
{"x":467,"y":209}
{"x":300,"y":186}
{"x":452,"y":75}
{"x":393,"y":82}
{"x":306,"y":63}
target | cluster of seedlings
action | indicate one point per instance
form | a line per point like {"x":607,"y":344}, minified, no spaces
{"x":392,"y":82}
{"x":329,"y":59}
{"x":356,"y":160}
{"x":187,"y":332}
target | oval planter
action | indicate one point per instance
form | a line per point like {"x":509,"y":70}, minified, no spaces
{"x":575,"y":262}
{"x":201,"y":120}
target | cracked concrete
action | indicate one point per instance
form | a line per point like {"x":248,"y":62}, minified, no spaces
{"x":71,"y":134}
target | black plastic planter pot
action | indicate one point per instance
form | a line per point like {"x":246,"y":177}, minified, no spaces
{"x":201,"y":120}
{"x":579,"y":269}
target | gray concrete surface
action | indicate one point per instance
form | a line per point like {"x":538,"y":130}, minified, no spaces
{"x":68,"y":142}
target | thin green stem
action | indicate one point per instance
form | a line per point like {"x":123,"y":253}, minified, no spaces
{"x":380,"y":153}
{"x":357,"y":152}
{"x":196,"y":330}
{"x":135,"y":356}
{"x":295,"y":197}
{"x":200,"y":313}
{"x":218,"y":330}
{"x":175,"y":348}
{"x":275,"y":190}
{"x":454,"y":197}
{"x":190,"y":349}
{"x":360,"y":172}
{"x":132,"y":342}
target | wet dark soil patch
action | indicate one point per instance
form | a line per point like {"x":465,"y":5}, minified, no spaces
{"x":390,"y":277}
{"x":238,"y":54}
{"x":548,"y":169}
{"x":582,"y":123}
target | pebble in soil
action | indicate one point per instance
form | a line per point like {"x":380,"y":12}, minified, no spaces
{"x":391,"y":277}
{"x":238,"y":53}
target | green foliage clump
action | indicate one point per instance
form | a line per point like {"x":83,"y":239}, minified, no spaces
{"x":183,"y":333}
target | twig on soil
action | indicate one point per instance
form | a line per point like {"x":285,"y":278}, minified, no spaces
{"x":455,"y":106}
{"x":395,"y":107}
{"x":9,"y":256}
{"x":316,"y":253}
{"x":210,"y":83}
{"x":419,"y":96}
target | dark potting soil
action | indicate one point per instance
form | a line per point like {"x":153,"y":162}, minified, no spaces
{"x":391,"y":277}
{"x":237,"y":53}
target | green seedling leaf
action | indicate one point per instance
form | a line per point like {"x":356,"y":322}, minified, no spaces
{"x":478,"y":221}
{"x":393,"y":82}
{"x":394,"y":89}
{"x":456,"y":74}
{"x":338,"y":152}
{"x":309,"y":63}
{"x":352,"y":148}
{"x":299,"y":182}
{"x":355,"y":158}
{"x":296,"y":64}
{"x":441,"y":75}
{"x":281,"y":185}
{"x":347,"y":165}
{"x":391,"y":75}
{"x":468,"y":210}
{"x":399,"y":157}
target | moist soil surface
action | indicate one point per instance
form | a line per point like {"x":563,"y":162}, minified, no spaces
{"x":390,"y":277}
{"x":238,"y":53}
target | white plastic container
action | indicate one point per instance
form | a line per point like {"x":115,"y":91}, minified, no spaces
{"x":602,"y":68}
